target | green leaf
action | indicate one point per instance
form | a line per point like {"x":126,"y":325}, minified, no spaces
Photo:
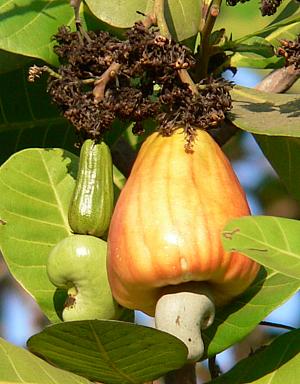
{"x":28,"y":118}
{"x":287,"y":28}
{"x":26,"y":105}
{"x":235,"y":321}
{"x":35,"y":188}
{"x":276,"y":363}
{"x":20,"y":366}
{"x":182,"y":16}
{"x":284,"y":155}
{"x":266,"y":113}
{"x":288,"y":32}
{"x":252,"y":60}
{"x":27,"y":26}
{"x":10,"y":61}
{"x":271,"y":241}
{"x":110,"y":351}
{"x":255,"y":44}
{"x":290,"y":9}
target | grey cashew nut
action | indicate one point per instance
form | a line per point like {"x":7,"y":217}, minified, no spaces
{"x":184,"y":315}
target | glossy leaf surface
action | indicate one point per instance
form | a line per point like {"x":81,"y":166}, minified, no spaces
{"x":27,"y":26}
{"x":266,"y":113}
{"x":235,"y":321}
{"x":284,"y":155}
{"x":182,"y":16}
{"x":110,"y":351}
{"x":276,"y":363}
{"x":28,"y":118}
{"x":20,"y":366}
{"x":36,"y":187}
{"x":271,"y":241}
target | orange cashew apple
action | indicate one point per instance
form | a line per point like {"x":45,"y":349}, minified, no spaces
{"x":165,"y":255}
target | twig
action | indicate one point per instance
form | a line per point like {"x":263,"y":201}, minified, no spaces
{"x":35,"y":72}
{"x":206,"y":28}
{"x":186,"y":78}
{"x":213,"y":367}
{"x":280,"y":80}
{"x":159,"y":13}
{"x":81,"y":32}
{"x":276,"y":325}
{"x":100,"y":84}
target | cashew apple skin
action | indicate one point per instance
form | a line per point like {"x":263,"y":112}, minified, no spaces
{"x":166,"y":227}
{"x":78,"y":264}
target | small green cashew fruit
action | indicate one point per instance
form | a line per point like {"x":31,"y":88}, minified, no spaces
{"x":93,"y":198}
{"x":78,"y":264}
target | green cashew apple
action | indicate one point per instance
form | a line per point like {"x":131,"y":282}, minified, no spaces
{"x":78,"y":264}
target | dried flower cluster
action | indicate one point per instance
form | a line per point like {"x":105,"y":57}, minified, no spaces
{"x":269,"y":7}
{"x":204,"y":110}
{"x":290,"y":50}
{"x":232,"y":3}
{"x":102,"y":78}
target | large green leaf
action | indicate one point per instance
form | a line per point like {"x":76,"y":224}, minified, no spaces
{"x":110,"y":351}
{"x":271,"y":241}
{"x":10,"y":61}
{"x":253,"y":60}
{"x":25,"y":105}
{"x":277,"y":363}
{"x":286,"y":28}
{"x":27,"y":26}
{"x":20,"y":366}
{"x":266,"y":113}
{"x":235,"y":321}
{"x":254,"y":44}
{"x":35,"y":189}
{"x":28,"y":118}
{"x":284,"y":155}
{"x":182,"y":15}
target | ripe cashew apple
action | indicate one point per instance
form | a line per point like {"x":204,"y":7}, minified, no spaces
{"x":78,"y":263}
{"x":165,"y":255}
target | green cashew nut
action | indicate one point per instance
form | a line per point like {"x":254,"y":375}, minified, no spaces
{"x":78,"y":264}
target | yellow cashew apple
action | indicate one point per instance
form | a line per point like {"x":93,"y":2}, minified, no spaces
{"x":165,"y":232}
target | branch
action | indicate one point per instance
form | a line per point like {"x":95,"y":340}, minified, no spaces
{"x":100,"y":84}
{"x":159,"y":16}
{"x":159,"y":13}
{"x":214,"y":369}
{"x":280,"y":80}
{"x":75,"y":4}
{"x":211,"y":13}
{"x":276,"y":325}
